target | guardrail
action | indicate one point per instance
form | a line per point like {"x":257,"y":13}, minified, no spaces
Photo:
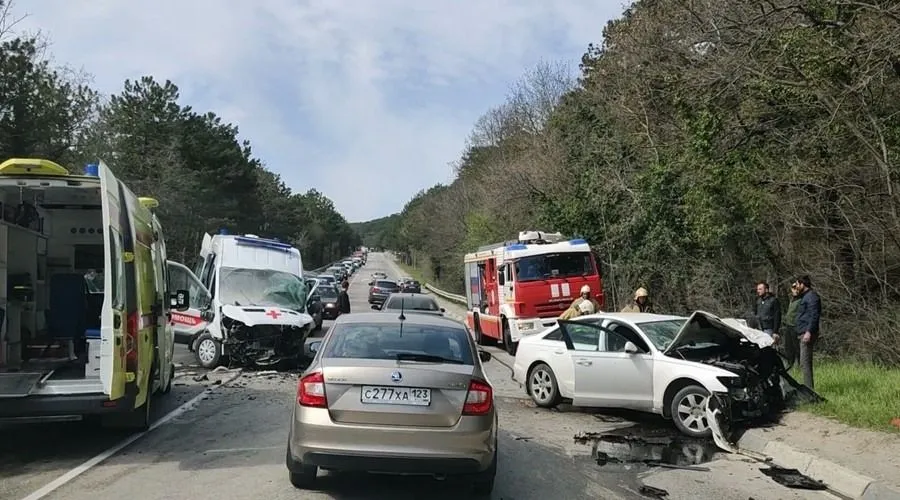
{"x":453,"y":297}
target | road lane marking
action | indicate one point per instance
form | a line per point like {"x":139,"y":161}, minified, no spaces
{"x":93,"y":462}
{"x":239,"y":450}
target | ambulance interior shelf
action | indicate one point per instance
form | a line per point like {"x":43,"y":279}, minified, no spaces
{"x":48,"y":311}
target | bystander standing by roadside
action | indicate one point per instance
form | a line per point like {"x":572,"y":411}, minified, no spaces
{"x":809,"y":312}
{"x":768,"y":311}
{"x":344,"y":298}
{"x":789,"y":329}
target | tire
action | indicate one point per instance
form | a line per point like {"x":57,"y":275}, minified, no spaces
{"x":168,"y":387}
{"x":546,"y":393}
{"x":302,"y":477}
{"x":510,"y":346}
{"x":483,"y":483}
{"x":479,"y":335}
{"x":688,"y":410}
{"x":138,"y":419}
{"x":208,"y":351}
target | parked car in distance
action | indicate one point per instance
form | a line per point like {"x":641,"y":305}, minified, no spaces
{"x":378,"y":399}
{"x":329,"y":297}
{"x":410,"y":285}
{"x":668,"y":365}
{"x":410,"y":303}
{"x":328,"y":279}
{"x":377,"y":276}
{"x":380,"y":290}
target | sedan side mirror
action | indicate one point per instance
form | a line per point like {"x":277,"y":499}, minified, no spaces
{"x":630,"y":348}
{"x":443,"y":310}
{"x":315,"y":346}
{"x":484,"y":356}
{"x":181,"y":301}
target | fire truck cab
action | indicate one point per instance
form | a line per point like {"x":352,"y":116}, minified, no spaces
{"x":517,"y":288}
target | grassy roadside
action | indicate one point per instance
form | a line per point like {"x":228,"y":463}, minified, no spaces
{"x":858,"y":394}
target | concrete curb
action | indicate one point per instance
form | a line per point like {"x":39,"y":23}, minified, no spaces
{"x":838,"y":478}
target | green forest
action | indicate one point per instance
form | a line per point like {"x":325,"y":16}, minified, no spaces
{"x":204,"y":176}
{"x":700,"y":147}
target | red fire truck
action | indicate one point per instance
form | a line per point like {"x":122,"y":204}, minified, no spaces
{"x":518,"y":288}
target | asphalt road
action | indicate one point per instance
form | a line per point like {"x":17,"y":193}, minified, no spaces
{"x":231,"y":444}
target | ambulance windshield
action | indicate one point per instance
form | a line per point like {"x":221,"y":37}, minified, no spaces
{"x":262,"y":287}
{"x":556,"y":265}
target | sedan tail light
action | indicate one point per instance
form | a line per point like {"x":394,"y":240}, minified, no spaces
{"x":311,"y":391}
{"x":480,"y":398}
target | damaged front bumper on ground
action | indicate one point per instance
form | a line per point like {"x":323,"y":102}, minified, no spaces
{"x":729,"y":412}
{"x":262,"y":346}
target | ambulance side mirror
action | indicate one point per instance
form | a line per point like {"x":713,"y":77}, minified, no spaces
{"x":181,"y":301}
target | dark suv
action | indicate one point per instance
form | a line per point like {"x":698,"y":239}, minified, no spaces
{"x":380,"y":289}
{"x":411,"y":286}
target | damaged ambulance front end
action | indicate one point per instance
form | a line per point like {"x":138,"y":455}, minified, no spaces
{"x":760,"y":388}
{"x":263,"y":319}
{"x":260,"y":337}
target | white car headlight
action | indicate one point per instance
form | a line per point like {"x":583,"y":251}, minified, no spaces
{"x":525,"y":326}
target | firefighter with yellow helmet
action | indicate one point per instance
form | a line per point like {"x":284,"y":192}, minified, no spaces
{"x":584,"y":304}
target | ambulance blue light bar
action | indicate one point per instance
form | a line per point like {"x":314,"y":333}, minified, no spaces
{"x":578,"y":241}
{"x":517,"y":246}
{"x":261,"y":242}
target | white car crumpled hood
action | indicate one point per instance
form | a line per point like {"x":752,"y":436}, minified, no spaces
{"x":734,"y":328}
{"x":266,"y":315}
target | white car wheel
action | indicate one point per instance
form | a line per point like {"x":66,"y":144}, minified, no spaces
{"x":542,"y":386}
{"x":689,"y":411}
{"x":208,"y":352}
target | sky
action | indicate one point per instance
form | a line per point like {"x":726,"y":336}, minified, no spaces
{"x":367,"y":101}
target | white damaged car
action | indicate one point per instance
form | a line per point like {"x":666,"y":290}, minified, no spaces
{"x":668,"y":365}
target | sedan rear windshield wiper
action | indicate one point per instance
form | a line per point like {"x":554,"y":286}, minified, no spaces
{"x":428,"y":358}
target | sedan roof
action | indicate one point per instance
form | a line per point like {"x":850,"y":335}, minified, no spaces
{"x":384,"y":318}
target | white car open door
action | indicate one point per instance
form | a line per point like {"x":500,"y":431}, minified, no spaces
{"x":112,"y":324}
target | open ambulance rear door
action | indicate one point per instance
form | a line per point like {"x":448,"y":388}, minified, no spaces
{"x":112,"y":316}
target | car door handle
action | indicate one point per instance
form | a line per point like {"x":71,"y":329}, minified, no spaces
{"x":584,"y":362}
{"x":559,"y":352}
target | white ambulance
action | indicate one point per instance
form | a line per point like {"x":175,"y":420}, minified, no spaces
{"x":257,"y":314}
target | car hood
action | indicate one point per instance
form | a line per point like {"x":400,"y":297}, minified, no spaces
{"x":265,"y":315}
{"x":703,"y":327}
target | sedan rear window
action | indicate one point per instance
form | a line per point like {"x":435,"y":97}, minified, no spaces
{"x":386,"y":284}
{"x":418,"y":303}
{"x":386,"y":341}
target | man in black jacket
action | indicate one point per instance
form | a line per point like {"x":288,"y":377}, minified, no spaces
{"x":768,"y":310}
{"x":809,"y":312}
{"x":343,"y":301}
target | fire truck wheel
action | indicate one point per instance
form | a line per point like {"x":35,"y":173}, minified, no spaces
{"x":480,"y":337}
{"x":508,"y":344}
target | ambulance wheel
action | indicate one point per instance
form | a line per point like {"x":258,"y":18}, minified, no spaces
{"x":168,"y":387}
{"x":208,"y":351}
{"x":138,"y":419}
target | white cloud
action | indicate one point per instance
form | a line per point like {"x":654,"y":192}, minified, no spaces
{"x":365,"y":100}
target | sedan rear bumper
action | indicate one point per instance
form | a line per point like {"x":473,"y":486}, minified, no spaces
{"x":467,"y":447}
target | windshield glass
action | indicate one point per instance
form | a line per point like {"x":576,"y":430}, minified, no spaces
{"x":261,"y":287}
{"x":557,"y":265}
{"x":412,"y":303}
{"x":662,"y":333}
{"x":385,"y":341}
